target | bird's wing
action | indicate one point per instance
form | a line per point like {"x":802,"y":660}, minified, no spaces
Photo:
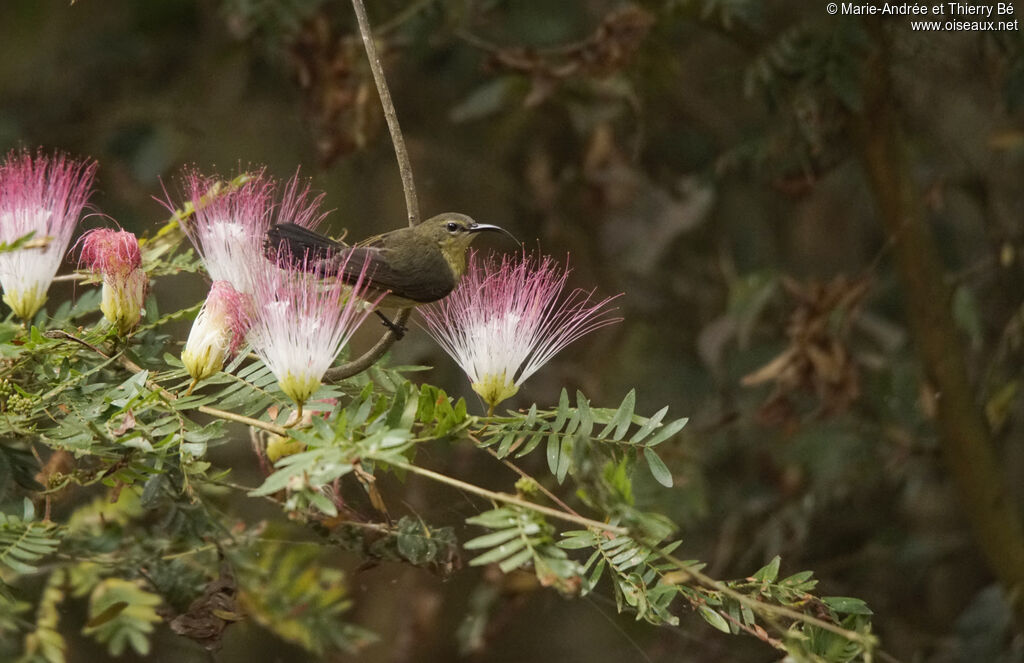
{"x":417,"y":279}
{"x":301,"y":242}
{"x":381,"y":276}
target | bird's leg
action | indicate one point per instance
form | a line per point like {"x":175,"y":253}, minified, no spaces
{"x":396,"y":329}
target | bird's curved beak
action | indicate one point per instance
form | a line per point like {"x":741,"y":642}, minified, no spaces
{"x":480,"y":227}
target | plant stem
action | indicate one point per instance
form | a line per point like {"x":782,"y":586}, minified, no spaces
{"x":371,"y":356}
{"x":506,"y":498}
{"x":866,"y":641}
{"x":205,"y":409}
{"x":762,"y":608}
{"x":404,"y":166}
{"x":241,"y":419}
{"x":412,"y":206}
{"x":515,"y":468}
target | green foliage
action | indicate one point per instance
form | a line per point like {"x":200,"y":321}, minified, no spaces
{"x":126,"y":427}
{"x":45,"y":644}
{"x":362,"y":430}
{"x":749,"y":109}
{"x":122,"y":613}
{"x":637,"y":573}
{"x":803,"y":641}
{"x":293,"y":594}
{"x":419,"y":544}
{"x":16,"y":243}
{"x":24,"y":542}
{"x":18,"y":468}
{"x":811,"y":73}
{"x":819,"y":58}
{"x":521,"y":538}
{"x":183,"y":262}
{"x":572,"y":442}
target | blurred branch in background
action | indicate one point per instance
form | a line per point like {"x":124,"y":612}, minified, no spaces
{"x":967,"y":444}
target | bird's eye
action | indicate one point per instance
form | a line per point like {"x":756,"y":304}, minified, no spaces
{"x":452,"y":226}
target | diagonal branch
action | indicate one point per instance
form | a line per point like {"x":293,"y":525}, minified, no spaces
{"x":505,"y":498}
{"x":371,"y":356}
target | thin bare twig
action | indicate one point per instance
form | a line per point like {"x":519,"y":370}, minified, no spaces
{"x":240,"y":419}
{"x":205,"y":409}
{"x":515,"y":468}
{"x":412,"y":205}
{"x":508,"y":499}
{"x":371,"y":356}
{"x":59,"y":333}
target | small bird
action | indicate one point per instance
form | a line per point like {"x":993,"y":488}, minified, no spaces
{"x":409,"y":266}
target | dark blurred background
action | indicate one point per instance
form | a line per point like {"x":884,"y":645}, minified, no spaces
{"x":702,"y":157}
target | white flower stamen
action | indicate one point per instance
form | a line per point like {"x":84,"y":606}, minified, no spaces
{"x":300,"y":322}
{"x":45,"y":196}
{"x":506,"y":320}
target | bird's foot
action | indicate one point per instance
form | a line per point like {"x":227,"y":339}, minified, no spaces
{"x":396,"y":329}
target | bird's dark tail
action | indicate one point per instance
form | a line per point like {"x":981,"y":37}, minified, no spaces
{"x":300,"y":244}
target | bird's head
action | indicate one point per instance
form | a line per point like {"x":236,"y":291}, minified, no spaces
{"x":453,"y":233}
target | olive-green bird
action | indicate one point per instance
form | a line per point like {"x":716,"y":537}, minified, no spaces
{"x":409,"y":266}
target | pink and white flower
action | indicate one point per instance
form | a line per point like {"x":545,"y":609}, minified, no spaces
{"x":228,"y":229}
{"x":217,"y":333}
{"x":300,"y":320}
{"x":505,"y":320}
{"x":115,"y":255}
{"x":45,"y":195}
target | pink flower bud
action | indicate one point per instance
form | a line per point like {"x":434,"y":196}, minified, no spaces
{"x":115,"y":255}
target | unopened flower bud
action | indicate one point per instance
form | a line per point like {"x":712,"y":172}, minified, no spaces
{"x":115,"y":255}
{"x":217,"y":332}
{"x":279,"y":446}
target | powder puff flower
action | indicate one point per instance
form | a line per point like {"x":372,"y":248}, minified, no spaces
{"x":300,"y":320}
{"x":44,"y":195}
{"x":228,"y":229}
{"x":504,"y":321}
{"x":217,"y":333}
{"x":115,"y":255}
